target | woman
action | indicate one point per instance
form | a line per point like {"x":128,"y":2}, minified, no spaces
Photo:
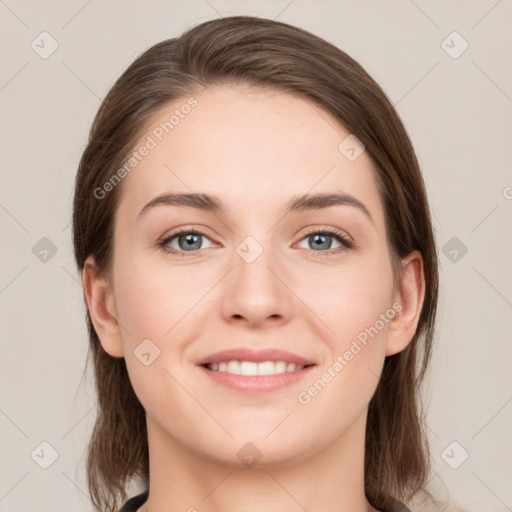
{"x":260,"y":274}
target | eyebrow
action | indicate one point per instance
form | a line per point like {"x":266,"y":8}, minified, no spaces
{"x":298,"y":203}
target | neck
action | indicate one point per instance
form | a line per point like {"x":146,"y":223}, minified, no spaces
{"x":329,"y":481}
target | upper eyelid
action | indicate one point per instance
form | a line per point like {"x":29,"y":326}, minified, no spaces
{"x":200,"y":231}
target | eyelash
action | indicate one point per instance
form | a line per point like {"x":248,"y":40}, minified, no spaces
{"x":338,"y":235}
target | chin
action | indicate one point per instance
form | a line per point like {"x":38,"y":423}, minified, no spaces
{"x":259,"y":452}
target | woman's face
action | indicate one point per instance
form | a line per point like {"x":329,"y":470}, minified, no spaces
{"x":256,"y":278}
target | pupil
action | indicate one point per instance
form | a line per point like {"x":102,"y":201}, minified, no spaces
{"x":318,"y":237}
{"x":190,"y":240}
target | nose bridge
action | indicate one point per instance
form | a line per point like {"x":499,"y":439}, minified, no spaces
{"x":255,"y":292}
{"x":255,"y":254}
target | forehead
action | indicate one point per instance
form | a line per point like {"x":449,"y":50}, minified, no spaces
{"x":243,"y":144}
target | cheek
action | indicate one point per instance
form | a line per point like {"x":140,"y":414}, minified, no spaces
{"x":155,"y":304}
{"x":357,"y":308}
{"x":151,"y":300}
{"x":350,"y":298}
{"x":360,"y":307}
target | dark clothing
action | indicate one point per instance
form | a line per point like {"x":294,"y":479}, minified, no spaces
{"x":134,"y":503}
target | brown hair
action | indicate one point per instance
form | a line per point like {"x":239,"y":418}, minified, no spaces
{"x":275,"y":55}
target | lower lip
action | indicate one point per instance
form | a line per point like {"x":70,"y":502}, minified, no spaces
{"x":258,"y":383}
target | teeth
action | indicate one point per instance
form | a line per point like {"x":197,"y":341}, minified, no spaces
{"x":233,"y":367}
{"x":251,"y":368}
{"x":247,"y":368}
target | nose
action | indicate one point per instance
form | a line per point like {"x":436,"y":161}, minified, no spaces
{"x":255,"y":290}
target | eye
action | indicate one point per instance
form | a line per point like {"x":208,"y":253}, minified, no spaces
{"x":187,"y":240}
{"x":191,"y":240}
{"x":321,"y":239}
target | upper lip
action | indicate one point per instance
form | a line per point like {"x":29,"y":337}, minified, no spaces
{"x":248,"y":354}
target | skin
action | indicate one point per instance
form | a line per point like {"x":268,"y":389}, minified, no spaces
{"x":254,"y":149}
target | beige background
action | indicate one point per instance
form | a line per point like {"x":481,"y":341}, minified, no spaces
{"x":458,"y":112}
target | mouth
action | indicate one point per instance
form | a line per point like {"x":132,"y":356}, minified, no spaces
{"x":246,"y":370}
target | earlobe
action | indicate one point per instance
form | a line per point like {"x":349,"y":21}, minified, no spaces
{"x":101,"y":305}
{"x":410,"y":295}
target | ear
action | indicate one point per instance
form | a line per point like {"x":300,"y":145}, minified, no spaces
{"x":100,"y":303}
{"x":410,"y":295}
